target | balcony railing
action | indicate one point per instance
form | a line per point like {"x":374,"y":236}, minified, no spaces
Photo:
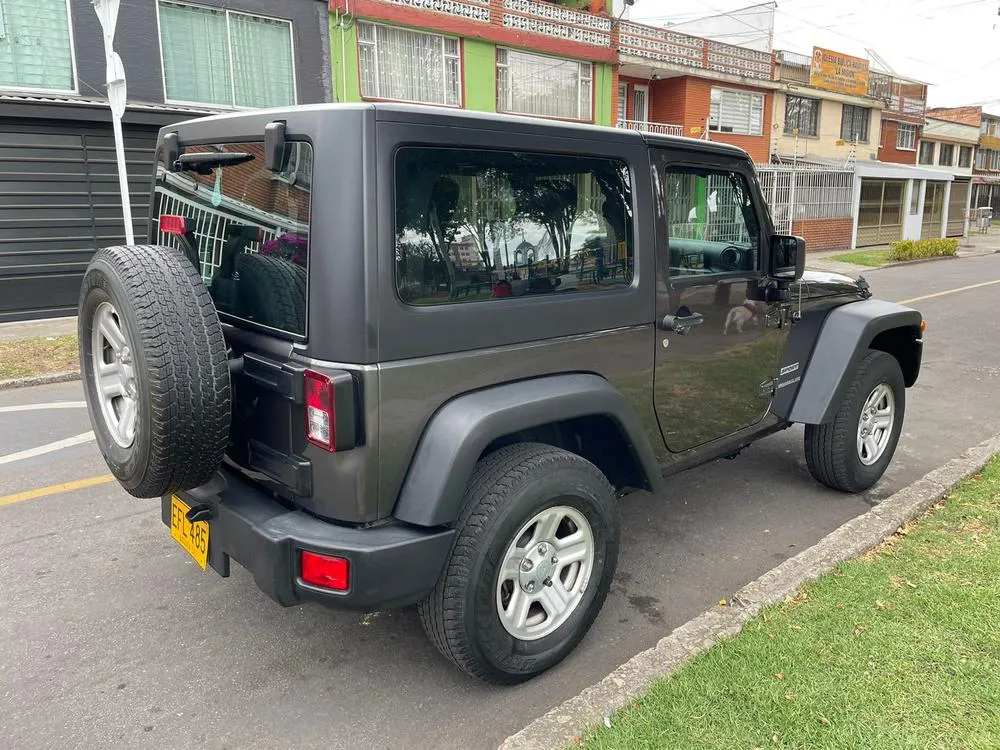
{"x":651,"y":127}
{"x":663,"y":45}
{"x":557,"y":21}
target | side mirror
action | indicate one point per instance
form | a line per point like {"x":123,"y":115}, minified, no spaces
{"x":274,"y":146}
{"x":786,"y":260}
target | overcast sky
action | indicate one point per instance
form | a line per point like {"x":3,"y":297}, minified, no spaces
{"x":954,"y":45}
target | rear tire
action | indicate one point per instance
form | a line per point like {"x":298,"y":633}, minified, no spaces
{"x":466,"y":615}
{"x":155,"y":369}
{"x":835,"y":452}
{"x":272,"y":292}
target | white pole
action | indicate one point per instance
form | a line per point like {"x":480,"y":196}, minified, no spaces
{"x":107,"y":13}
{"x":116,"y":121}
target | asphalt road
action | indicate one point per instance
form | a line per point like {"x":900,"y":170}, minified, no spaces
{"x":110,"y":636}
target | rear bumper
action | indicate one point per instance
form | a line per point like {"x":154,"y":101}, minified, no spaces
{"x":390,"y":566}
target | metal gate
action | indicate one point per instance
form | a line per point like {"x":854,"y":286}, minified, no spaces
{"x":880,"y":216}
{"x":956,"y":208}
{"x":930,"y":228}
{"x":59,"y":201}
{"x":797,"y":193}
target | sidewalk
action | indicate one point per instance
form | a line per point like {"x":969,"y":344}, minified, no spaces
{"x":969,"y":247}
{"x":33,"y":329}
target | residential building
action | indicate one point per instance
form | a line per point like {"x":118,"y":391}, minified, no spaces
{"x":902,"y":118}
{"x":834,"y":110}
{"x":516,"y":56}
{"x":948,"y":145}
{"x":683,"y":85}
{"x":825,"y":117}
{"x":987,"y":169}
{"x":982,"y":131}
{"x":59,"y":196}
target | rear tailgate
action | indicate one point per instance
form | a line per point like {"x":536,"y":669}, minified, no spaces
{"x":248,"y":228}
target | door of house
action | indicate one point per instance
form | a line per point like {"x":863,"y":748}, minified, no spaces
{"x":956,"y":207}
{"x":640,"y":102}
{"x":880,"y":215}
{"x":933,"y":211}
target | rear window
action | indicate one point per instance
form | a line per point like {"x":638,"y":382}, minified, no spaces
{"x":474,"y":226}
{"x":249,"y":228}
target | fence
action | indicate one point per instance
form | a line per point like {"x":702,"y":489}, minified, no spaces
{"x":805,"y":192}
{"x":651,"y":127}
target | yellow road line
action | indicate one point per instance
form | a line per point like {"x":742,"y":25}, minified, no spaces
{"x":949,"y":291}
{"x":55,"y":489}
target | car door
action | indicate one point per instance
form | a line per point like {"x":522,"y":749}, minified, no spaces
{"x":718,"y":343}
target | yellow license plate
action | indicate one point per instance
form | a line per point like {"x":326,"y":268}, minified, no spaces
{"x":193,"y":537}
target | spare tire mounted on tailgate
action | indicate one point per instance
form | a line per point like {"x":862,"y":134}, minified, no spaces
{"x":155,"y":369}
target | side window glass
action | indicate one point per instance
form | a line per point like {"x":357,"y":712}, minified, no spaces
{"x":711,"y":224}
{"x":474,"y":226}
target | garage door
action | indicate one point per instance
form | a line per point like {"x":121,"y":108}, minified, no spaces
{"x":956,"y":207}
{"x":59,"y":201}
{"x":880,"y":217}
{"x":930,"y":227}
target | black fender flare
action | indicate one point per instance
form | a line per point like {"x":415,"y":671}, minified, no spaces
{"x":848,"y":332}
{"x":459,"y":432}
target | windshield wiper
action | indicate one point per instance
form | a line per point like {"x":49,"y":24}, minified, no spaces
{"x":204,"y":163}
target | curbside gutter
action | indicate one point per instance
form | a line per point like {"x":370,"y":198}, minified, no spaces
{"x":559,"y":727}
{"x":52,"y":377}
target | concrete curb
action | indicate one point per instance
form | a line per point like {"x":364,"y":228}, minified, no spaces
{"x":559,"y":727}
{"x":53,"y":377}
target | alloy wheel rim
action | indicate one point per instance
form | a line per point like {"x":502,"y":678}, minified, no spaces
{"x":875,"y":424}
{"x":544,"y":572}
{"x":114,"y":375}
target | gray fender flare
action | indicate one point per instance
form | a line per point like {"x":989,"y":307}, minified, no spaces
{"x":463,"y":428}
{"x":844,"y":339}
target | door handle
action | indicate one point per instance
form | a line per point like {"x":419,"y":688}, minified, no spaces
{"x":680,"y":324}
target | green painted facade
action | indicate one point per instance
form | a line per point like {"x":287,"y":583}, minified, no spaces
{"x":344,"y":61}
{"x":479,"y":72}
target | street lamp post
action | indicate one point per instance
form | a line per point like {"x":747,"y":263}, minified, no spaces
{"x":107,"y":13}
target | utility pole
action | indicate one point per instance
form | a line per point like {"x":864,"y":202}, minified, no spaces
{"x":107,"y":13}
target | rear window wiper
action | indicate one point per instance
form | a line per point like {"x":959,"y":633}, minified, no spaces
{"x":204,"y":163}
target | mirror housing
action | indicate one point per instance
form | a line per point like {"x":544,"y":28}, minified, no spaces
{"x":786,"y":260}
{"x":274,"y":146}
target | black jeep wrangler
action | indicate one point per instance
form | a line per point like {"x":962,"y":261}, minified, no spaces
{"x":385,"y":355}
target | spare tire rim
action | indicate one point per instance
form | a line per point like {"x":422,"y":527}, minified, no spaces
{"x":114,"y":375}
{"x":544,"y":572}
{"x":875,"y":424}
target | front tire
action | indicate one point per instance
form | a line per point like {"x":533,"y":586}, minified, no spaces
{"x":532,"y":563}
{"x":852,"y":452}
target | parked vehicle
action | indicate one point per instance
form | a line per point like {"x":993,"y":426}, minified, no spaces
{"x":386,"y":355}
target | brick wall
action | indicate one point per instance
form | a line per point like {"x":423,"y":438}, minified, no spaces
{"x":887,"y":150}
{"x":825,"y":234}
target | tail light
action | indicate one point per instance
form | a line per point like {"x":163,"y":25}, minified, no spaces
{"x":173,"y":224}
{"x":321,"y":414}
{"x":325,"y":572}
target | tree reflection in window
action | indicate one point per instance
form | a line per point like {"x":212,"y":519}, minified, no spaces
{"x":484,"y":225}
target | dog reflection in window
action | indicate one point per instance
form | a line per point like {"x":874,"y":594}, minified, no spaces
{"x":747,"y":312}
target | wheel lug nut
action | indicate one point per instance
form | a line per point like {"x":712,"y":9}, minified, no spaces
{"x":530,"y":586}
{"x":547,"y":581}
{"x":543,"y":549}
{"x":526,"y":564}
{"x":554,"y":559}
